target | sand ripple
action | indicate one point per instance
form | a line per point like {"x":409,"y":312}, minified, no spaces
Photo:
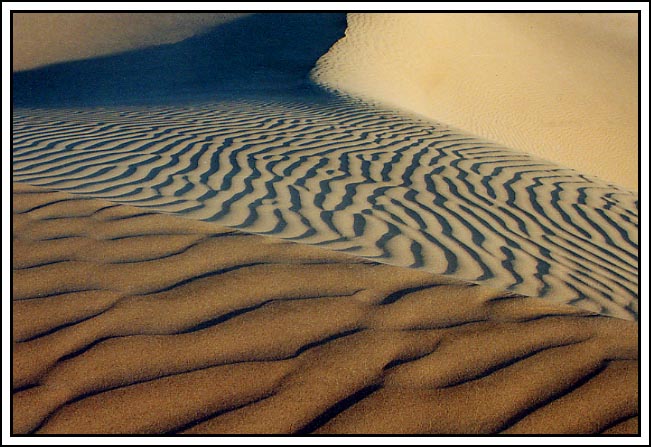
{"x":332,"y":172}
{"x":130,"y":322}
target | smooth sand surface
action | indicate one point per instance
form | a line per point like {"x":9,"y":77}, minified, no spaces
{"x":562,"y":86}
{"x":127,"y":321}
{"x":42,"y":38}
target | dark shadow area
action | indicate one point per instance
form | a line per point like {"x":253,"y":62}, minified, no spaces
{"x":263,"y":52}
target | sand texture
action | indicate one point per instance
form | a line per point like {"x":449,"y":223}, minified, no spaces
{"x":43,"y":38}
{"x":127,"y":321}
{"x":341,"y":175}
{"x":557,"y":85}
{"x":246,"y":229}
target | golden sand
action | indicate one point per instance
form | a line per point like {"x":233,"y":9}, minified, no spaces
{"x":132,"y":322}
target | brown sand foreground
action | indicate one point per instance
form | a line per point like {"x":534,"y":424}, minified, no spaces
{"x":130,"y":322}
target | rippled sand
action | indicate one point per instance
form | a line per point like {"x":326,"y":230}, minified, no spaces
{"x":336,"y":173}
{"x":207,"y":241}
{"x":246,"y":140}
{"x":133,"y":322}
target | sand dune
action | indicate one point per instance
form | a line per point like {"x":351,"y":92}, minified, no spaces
{"x":49,"y":37}
{"x":124,"y":324}
{"x":205,"y":241}
{"x":258,"y":52}
{"x":557,"y":85}
{"x":338,"y":174}
{"x":227,"y":127}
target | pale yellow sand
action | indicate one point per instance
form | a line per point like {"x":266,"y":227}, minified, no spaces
{"x":128,"y":322}
{"x":562,"y":86}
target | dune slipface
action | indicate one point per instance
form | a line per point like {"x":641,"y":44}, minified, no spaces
{"x":557,"y":85}
{"x":171,"y":210}
{"x":135,"y":322}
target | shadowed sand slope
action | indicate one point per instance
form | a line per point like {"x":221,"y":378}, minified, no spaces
{"x":258,"y":52}
{"x":44,"y":38}
{"x":126,"y":321}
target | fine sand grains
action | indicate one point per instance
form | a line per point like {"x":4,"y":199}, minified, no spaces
{"x":332,"y":172}
{"x":130,"y":322}
{"x":561,"y":86}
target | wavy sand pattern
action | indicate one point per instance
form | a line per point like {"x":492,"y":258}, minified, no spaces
{"x":135,"y":322}
{"x":557,"y":85}
{"x":171,"y":207}
{"x":335,"y":173}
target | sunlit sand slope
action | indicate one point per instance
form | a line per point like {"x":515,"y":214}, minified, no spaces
{"x":127,"y":321}
{"x":561,"y":86}
{"x":336,"y":173}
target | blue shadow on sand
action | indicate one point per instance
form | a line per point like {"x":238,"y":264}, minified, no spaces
{"x":263,"y":52}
